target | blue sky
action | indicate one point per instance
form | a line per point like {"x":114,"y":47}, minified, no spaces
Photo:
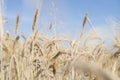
{"x":67,"y":14}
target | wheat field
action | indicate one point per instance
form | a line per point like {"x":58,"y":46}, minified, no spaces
{"x":40,"y":57}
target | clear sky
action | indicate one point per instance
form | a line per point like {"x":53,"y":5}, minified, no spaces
{"x":67,"y":14}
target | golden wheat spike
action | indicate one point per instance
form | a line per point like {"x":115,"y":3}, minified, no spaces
{"x":17,"y":23}
{"x":23,"y":37}
{"x":35,"y":19}
{"x":85,"y":20}
{"x":51,"y":26}
{"x":17,"y":38}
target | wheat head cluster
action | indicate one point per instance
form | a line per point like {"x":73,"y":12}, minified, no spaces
{"x":41,"y":57}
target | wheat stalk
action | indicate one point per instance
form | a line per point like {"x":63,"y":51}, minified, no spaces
{"x":17,"y":23}
{"x":14,"y":73}
{"x":35,"y":19}
{"x":51,"y":26}
{"x":85,"y":20}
